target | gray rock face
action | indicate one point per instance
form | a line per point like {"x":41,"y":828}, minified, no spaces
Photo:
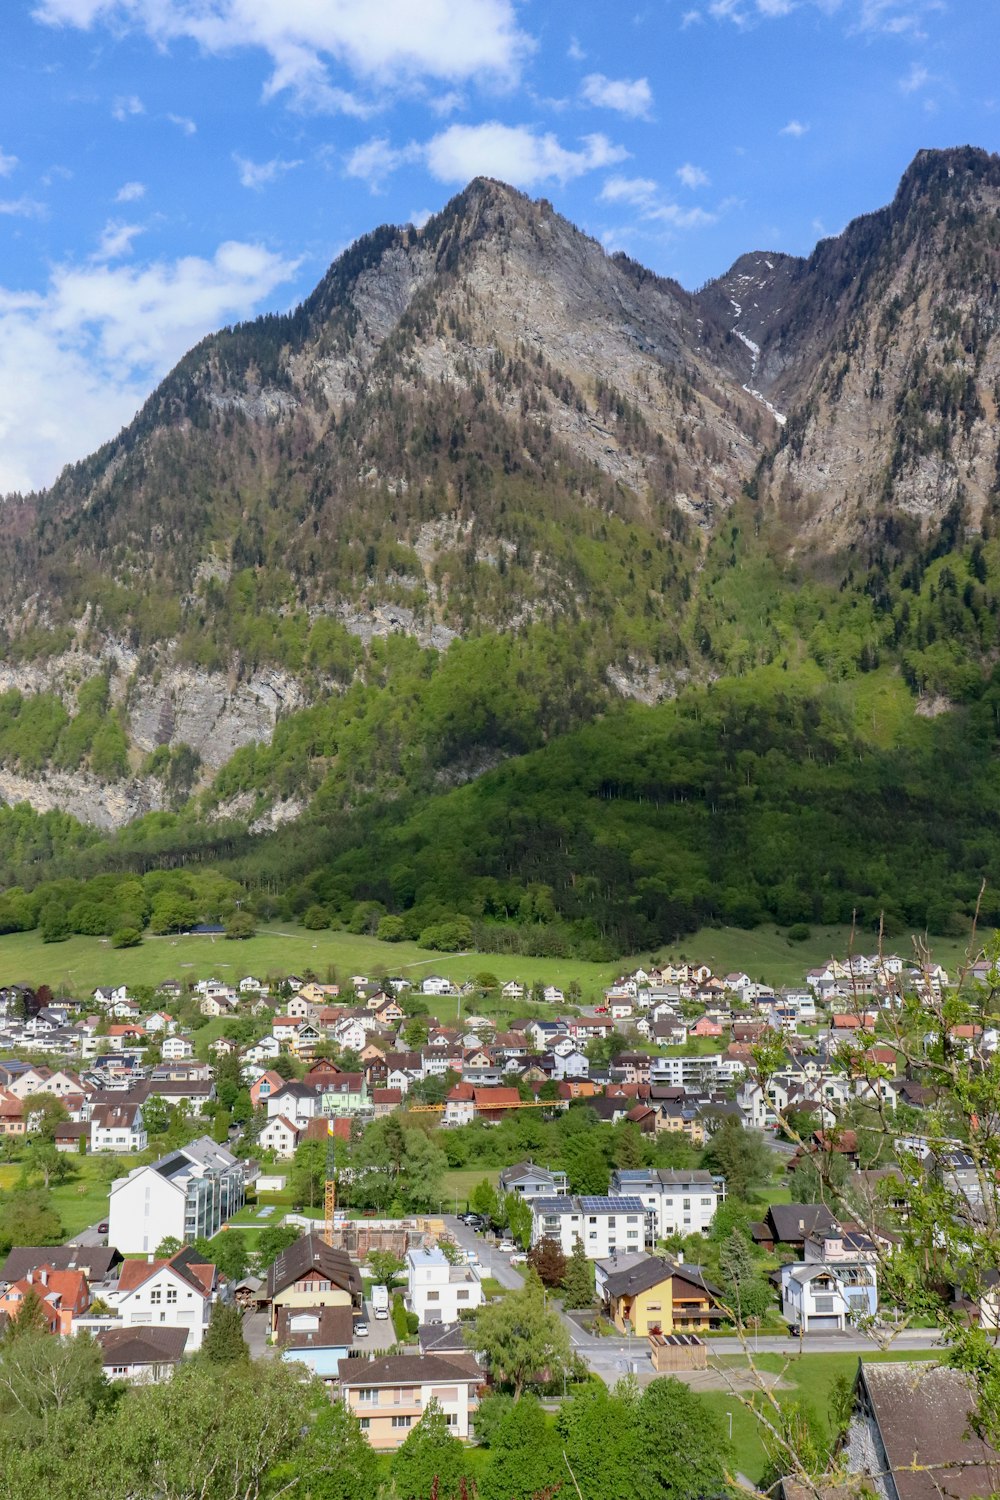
{"x":107,"y":806}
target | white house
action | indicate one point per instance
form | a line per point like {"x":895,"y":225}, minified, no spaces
{"x":281,"y":1136}
{"x":438,"y":1291}
{"x":176,"y":1048}
{"x":679,"y":1202}
{"x":176,"y":1293}
{"x":827,"y":1298}
{"x":435,"y":985}
{"x":601,"y":1224}
{"x":118,"y":1128}
{"x":189,"y":1192}
{"x":264,"y":1051}
{"x":251,"y":986}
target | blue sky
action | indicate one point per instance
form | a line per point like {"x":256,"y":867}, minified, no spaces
{"x":167,"y":166}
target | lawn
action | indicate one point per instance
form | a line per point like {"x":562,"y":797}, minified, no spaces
{"x":84,"y":1199}
{"x":457,"y":1184}
{"x":79,"y":964}
{"x":806,"y":1378}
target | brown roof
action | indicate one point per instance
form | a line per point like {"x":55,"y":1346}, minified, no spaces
{"x":310,"y":1253}
{"x":410,"y":1369}
{"x":134,"y":1273}
{"x":922,"y":1412}
{"x":141,"y":1346}
{"x":336,"y":1328}
{"x":95,"y":1261}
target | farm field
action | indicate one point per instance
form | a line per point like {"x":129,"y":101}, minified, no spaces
{"x":78,"y":964}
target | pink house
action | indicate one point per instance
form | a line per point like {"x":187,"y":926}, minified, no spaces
{"x":705,"y":1027}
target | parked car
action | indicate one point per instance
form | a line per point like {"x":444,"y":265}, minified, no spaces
{"x":507,"y":1246}
{"x":794,"y":1330}
{"x":361,"y":1330}
{"x":520,"y":1259}
{"x":103,"y":1227}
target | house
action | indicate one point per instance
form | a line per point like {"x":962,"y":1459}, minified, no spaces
{"x":346,"y":1094}
{"x":298,"y":1102}
{"x":680,"y":1202}
{"x":601,"y":1224}
{"x":912,"y":1434}
{"x":263,"y":1087}
{"x":791,"y":1224}
{"x":652,"y":1294}
{"x":281,"y":1136}
{"x":64,"y":1294}
{"x":529,"y":1181}
{"x":493,"y":1103}
{"x":189,"y":1192}
{"x":159,"y":1021}
{"x":437,"y":1291}
{"x":176,"y":1048}
{"x":435,"y":985}
{"x":385,"y":1101}
{"x":118,"y":1128}
{"x":97,"y":1262}
{"x":174,"y":1293}
{"x":823,"y":1297}
{"x":318,"y":1337}
{"x":310,"y":1274}
{"x":512,"y":990}
{"x":263,"y":1051}
{"x":389,"y":1396}
{"x":141,"y":1356}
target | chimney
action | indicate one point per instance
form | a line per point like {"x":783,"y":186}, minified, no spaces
{"x":149,"y":1258}
{"x":680,"y":1257}
{"x":43,"y":1277}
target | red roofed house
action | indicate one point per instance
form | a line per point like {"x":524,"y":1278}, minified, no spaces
{"x":494,"y":1104}
{"x":460,"y":1105}
{"x":175,"y":1293}
{"x":263,"y":1087}
{"x":12,"y":1114}
{"x":281,"y":1136}
{"x":65,"y":1295}
{"x":386,"y":1100}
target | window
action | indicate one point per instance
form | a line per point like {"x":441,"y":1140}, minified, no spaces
{"x":368,"y":1394}
{"x":156,"y":1296}
{"x":463,"y":1297}
{"x":824,"y":1304}
{"x":631,"y":1218}
{"x":592,"y":1235}
{"x":592,"y":1219}
{"x":171,"y":1294}
{"x":119,"y":1370}
{"x":687,"y":1203}
{"x":364,"y":1423}
{"x":402,"y":1421}
{"x":706,"y":1203}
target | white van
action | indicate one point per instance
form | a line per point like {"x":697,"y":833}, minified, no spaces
{"x":380,"y":1301}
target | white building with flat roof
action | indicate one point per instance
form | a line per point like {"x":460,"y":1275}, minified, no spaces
{"x":439,"y":1292}
{"x":681,"y":1202}
{"x":601,"y":1224}
{"x":189,"y":1192}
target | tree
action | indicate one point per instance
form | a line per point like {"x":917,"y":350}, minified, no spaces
{"x":228,"y":1250}
{"x":585,"y":1162}
{"x":126,"y":937}
{"x":224,"y":1342}
{"x":522,"y":1338}
{"x":516,"y":1214}
{"x":578,"y":1282}
{"x":549,"y":1261}
{"x":483,"y":1200}
{"x":681,"y":1451}
{"x":31,"y":1317}
{"x":525,"y":1460}
{"x":272,"y":1241}
{"x":746,"y":1294}
{"x":307,"y":1178}
{"x":27,"y":1217}
{"x":40,"y":1376}
{"x":386,"y":1267}
{"x":628,"y":1146}
{"x":240,"y":925}
{"x":740,"y":1156}
{"x":335,"y":1461}
{"x":168,"y":1247}
{"x":156,"y":1115}
{"x":47,"y":1112}
{"x":431,"y":1461}
{"x":596,"y":1427}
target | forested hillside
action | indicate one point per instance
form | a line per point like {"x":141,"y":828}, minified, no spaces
{"x":485,"y":596}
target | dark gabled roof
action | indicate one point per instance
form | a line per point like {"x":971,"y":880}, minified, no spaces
{"x":922,"y":1412}
{"x":794,"y":1221}
{"x":335,"y":1330}
{"x":410,"y":1369}
{"x":141,"y":1346}
{"x":95,"y":1261}
{"x":310,"y":1253}
{"x":443,"y":1338}
{"x":640,"y":1278}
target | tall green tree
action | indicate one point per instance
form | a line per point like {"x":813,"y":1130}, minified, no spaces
{"x":740,"y":1156}
{"x":523,"y":1339}
{"x":224,"y":1343}
{"x":430,"y":1461}
{"x":578,"y":1281}
{"x":681,"y":1451}
{"x":525,"y":1459}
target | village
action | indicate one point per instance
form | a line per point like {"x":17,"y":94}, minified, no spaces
{"x":381,"y":1302}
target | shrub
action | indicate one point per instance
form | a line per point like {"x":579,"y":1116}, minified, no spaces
{"x":799,"y":932}
{"x":126,"y":937}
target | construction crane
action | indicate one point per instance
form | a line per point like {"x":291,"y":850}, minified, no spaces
{"x":330,"y":1193}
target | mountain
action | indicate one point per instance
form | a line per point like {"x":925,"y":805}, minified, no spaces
{"x":485,"y":486}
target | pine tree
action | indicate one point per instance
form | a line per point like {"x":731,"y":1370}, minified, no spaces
{"x":578,"y":1283}
{"x":31,"y":1317}
{"x":224,"y":1342}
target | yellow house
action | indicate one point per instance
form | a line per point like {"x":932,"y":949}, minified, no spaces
{"x":312,"y":1274}
{"x":656,"y":1295}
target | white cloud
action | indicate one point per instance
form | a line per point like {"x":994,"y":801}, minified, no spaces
{"x":691,"y":18}
{"x":515,"y":154}
{"x":377,"y":159}
{"x":403,"y":42}
{"x":7,"y":164}
{"x":574,"y":51}
{"x":183,"y":122}
{"x":631,"y":97}
{"x":419,"y":217}
{"x":692,"y":176}
{"x":127,"y":105}
{"x":446,"y":104}
{"x":78,"y":359}
{"x":644,"y":195}
{"x":22,"y":208}
{"x":259,"y":174}
{"x":116,"y":240}
{"x":915,"y":79}
{"x":130,"y":192}
{"x":794,"y":128}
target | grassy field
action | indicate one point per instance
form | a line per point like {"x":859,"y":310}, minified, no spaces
{"x":79,"y":964}
{"x":806,"y":1378}
{"x":83,"y":1200}
{"x":457,"y":1184}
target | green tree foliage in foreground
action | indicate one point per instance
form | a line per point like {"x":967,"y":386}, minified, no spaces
{"x":521,"y":1337}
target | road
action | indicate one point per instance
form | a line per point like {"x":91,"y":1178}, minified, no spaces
{"x":89,"y":1236}
{"x":609,"y":1356}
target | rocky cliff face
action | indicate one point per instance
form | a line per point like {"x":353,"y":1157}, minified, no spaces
{"x":460,"y":418}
